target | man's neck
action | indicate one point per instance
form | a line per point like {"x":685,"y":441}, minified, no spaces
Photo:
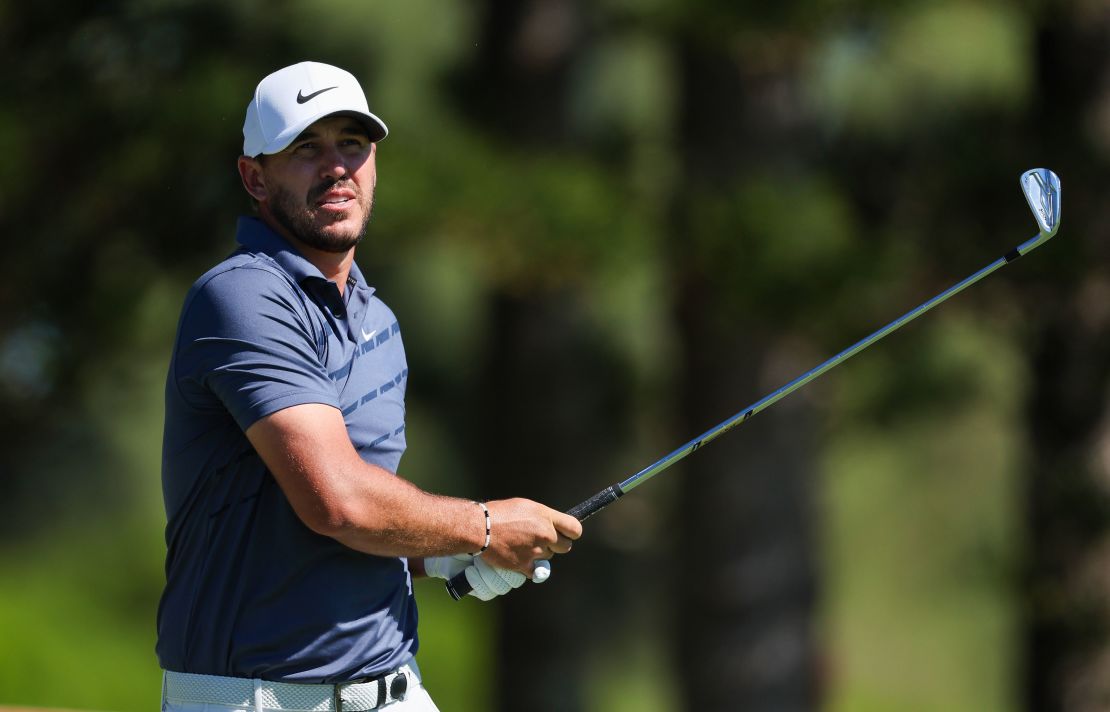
{"x":335,"y":266}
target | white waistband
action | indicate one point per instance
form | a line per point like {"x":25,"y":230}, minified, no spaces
{"x":295,"y":697}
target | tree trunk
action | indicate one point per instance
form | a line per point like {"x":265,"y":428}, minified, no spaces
{"x":549,"y":416}
{"x":746,"y":578}
{"x":1068,"y":586}
{"x":1067,"y":574}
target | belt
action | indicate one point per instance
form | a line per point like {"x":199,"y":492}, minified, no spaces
{"x":355,"y":696}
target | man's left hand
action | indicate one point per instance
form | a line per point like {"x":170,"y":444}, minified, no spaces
{"x":486,"y":581}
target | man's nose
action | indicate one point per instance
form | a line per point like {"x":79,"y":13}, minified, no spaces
{"x":332,"y":163}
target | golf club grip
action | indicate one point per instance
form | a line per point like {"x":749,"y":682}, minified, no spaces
{"x":458,"y":586}
{"x":595,"y":504}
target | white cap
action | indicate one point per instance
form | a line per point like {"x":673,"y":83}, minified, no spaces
{"x":289,"y":100}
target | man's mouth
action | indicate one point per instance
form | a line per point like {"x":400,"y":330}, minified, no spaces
{"x":335,"y":202}
{"x":336,"y":199}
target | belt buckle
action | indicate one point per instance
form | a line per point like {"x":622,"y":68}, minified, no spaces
{"x":397,"y":689}
{"x":399,"y":686}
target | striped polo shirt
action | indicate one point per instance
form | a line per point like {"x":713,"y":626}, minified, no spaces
{"x":250,"y":590}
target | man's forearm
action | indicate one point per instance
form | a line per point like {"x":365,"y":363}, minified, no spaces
{"x":335,"y":493}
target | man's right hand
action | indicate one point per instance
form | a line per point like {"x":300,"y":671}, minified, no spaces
{"x":523,"y":531}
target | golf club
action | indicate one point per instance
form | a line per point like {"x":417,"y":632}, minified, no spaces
{"x":1042,"y":190}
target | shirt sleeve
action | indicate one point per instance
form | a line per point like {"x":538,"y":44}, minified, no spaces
{"x":246,"y":343}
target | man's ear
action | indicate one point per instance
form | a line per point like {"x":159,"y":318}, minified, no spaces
{"x":250,"y":172}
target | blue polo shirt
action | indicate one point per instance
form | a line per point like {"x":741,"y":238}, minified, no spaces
{"x":250,"y":590}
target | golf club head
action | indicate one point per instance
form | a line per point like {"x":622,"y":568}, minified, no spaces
{"x":1042,"y":189}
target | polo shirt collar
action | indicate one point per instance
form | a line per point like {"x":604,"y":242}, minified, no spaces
{"x":257,"y":236}
{"x":356,"y":280}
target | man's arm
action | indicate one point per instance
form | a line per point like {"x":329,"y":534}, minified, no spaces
{"x":337,"y":494}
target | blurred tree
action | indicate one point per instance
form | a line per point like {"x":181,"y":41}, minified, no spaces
{"x":132,"y":129}
{"x":1067,"y":599}
{"x":548,"y":392}
{"x":652,"y":213}
{"x":746,"y":584}
{"x":548,"y":431}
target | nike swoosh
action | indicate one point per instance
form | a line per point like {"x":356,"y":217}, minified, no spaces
{"x":301,"y":98}
{"x":367,"y":337}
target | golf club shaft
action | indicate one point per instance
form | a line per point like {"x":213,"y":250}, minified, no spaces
{"x":610,"y":494}
{"x":459,"y":587}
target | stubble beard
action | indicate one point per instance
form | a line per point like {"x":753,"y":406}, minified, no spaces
{"x":296,"y":217}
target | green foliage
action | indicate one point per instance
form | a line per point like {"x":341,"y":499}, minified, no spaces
{"x":455,"y":657}
{"x":925,"y":65}
{"x":76,"y":614}
{"x":626,"y":89}
{"x":859,"y":162}
{"x":923,"y":531}
{"x":776,"y":243}
{"x":539,"y":220}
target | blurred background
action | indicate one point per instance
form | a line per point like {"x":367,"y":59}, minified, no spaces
{"x":605,"y":227}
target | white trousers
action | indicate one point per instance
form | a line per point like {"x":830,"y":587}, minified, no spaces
{"x":416,"y":699}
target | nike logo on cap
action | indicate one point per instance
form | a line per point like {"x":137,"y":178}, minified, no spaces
{"x":301,"y":98}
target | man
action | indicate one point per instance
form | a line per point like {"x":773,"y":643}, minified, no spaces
{"x":291,"y":542}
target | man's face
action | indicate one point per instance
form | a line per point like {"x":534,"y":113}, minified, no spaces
{"x":320,"y":188}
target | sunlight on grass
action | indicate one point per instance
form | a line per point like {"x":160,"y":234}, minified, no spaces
{"x":921,"y":545}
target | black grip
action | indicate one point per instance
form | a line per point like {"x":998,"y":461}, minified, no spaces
{"x":595,"y":504}
{"x":458,"y":586}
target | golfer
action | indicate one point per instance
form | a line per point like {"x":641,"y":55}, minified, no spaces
{"x":292,"y":543}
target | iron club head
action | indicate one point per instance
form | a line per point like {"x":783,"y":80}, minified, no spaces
{"x":1042,"y":189}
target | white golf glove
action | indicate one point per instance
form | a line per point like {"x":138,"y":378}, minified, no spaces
{"x":486,"y":582}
